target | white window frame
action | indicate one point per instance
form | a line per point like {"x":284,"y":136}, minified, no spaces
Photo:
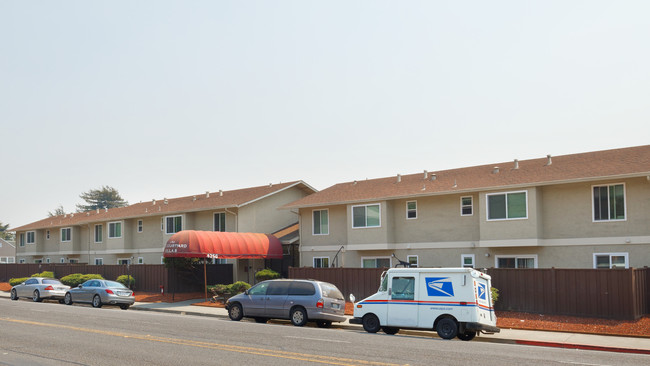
{"x":417,"y":260}
{"x":128,"y":260}
{"x":462,"y":260}
{"x":487,"y":205}
{"x":390,"y":260}
{"x":109,"y":229}
{"x":95,"y":233}
{"x":471,"y":205}
{"x":62,"y":260}
{"x":593,"y":204}
{"x":21,"y":261}
{"x":407,"y":210}
{"x":313,"y":227}
{"x":366,"y":213}
{"x":618,"y":254}
{"x":167,"y":228}
{"x":313,"y":262}
{"x":140,"y":224}
{"x":73,"y":261}
{"x":140,"y":260}
{"x":61,"y":234}
{"x":33,"y":235}
{"x":214,"y":217}
{"x":99,"y":261}
{"x":48,"y":260}
{"x":517,"y":256}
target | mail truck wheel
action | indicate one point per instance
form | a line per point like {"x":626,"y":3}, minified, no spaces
{"x":371,"y":323}
{"x":467,"y":336}
{"x":447,"y":328}
{"x":390,"y":330}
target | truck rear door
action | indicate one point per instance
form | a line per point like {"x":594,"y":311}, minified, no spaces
{"x":402,"y":304}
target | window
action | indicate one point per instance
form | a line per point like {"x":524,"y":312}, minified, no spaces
{"x":611,"y":260}
{"x":47,"y":234}
{"x":413,"y":260}
{"x":219,"y":222}
{"x":48,"y":260}
{"x":124,"y":261}
{"x":99,"y":233}
{"x":99,"y":261}
{"x":507,"y":206}
{"x":66,"y":234}
{"x":74,"y":261}
{"x":21,"y":242}
{"x":114,"y":230}
{"x":174,"y":224}
{"x":300,"y":288}
{"x":321,"y":262}
{"x":366,"y":216}
{"x":412,"y":210}
{"x":403,"y":288}
{"x":467,"y":260}
{"x":62,"y":260}
{"x":38,"y":261}
{"x":31,"y":237}
{"x":259,"y":289}
{"x":321,"y":222}
{"x":140,"y":224}
{"x":466,"y":206}
{"x":140,"y":260}
{"x":21,"y":261}
{"x":379,"y":262}
{"x":516,"y":261}
{"x":609,"y":202}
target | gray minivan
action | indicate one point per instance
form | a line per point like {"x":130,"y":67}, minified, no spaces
{"x":297,"y":300}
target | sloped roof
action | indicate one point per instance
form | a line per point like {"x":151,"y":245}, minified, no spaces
{"x":616,"y":163}
{"x":199,"y":202}
{"x":289,"y":234}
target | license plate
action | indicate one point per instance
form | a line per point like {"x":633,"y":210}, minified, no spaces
{"x":336,"y":306}
{"x":122,"y":293}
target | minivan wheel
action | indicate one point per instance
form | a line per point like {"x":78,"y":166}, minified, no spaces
{"x":447,"y":328}
{"x":371,"y":323}
{"x":323,"y":323}
{"x":235,"y":312}
{"x":261,"y":320}
{"x":298,"y":317}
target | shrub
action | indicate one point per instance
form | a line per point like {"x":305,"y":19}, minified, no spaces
{"x":495,"y":294}
{"x":124,"y":279}
{"x":266,"y":274}
{"x":227,"y":291}
{"x":17,"y":281}
{"x":46,"y":274}
{"x":76,"y":279}
{"x":239,"y":287}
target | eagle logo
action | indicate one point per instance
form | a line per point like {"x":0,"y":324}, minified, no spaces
{"x":439,"y":286}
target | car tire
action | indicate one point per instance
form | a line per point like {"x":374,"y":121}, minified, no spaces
{"x":298,"y":316}
{"x":124,"y":306}
{"x":97,"y":301}
{"x":261,"y":320}
{"x":467,"y":336}
{"x":235,"y":312}
{"x":371,"y":323}
{"x":14,"y":295}
{"x":67,"y":299}
{"x":37,"y":296}
{"x":323,"y":323}
{"x":447,"y":328}
{"x":61,"y":301}
{"x":390,"y":330}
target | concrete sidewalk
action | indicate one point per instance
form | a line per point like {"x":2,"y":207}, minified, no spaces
{"x":639,"y":345}
{"x":513,"y":336}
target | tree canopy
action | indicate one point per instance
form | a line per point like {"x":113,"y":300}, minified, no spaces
{"x":106,"y":197}
{"x":58,"y":211}
{"x":4,"y":234}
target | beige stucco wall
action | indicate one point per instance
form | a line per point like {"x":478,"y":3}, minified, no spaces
{"x":263,"y":216}
{"x":370,"y":235}
{"x":510,"y":229}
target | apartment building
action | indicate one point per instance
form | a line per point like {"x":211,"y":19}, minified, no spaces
{"x":7,"y":251}
{"x":588,"y":210}
{"x":137,"y":234}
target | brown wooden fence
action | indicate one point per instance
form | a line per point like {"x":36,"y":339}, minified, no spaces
{"x":148,"y":277}
{"x":600,"y":293}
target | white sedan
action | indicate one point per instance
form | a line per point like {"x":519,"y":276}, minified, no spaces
{"x":39,"y":288}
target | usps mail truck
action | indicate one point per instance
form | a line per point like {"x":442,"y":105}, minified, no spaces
{"x":455,"y":302}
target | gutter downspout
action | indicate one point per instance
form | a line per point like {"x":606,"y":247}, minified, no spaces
{"x":299,"y":237}
{"x":89,"y":243}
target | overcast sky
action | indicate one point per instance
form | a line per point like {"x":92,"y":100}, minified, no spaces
{"x":174,"y":98}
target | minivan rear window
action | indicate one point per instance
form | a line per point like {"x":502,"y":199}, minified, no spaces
{"x":302,"y":289}
{"x":331,"y":291}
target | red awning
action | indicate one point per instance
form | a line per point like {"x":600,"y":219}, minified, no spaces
{"x":215,"y":244}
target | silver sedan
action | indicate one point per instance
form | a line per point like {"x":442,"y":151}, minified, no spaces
{"x":101,"y":292}
{"x":39,"y":288}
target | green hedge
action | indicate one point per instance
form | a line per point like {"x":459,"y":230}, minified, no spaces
{"x":124,"y":279}
{"x":77,"y":279}
{"x":266,"y":274}
{"x":495,"y":294}
{"x":46,"y":274}
{"x":18,"y":281}
{"x":227,"y":291}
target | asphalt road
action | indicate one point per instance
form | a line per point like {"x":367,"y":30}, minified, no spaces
{"x":52,"y":334}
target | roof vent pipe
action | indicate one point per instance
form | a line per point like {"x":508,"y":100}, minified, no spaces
{"x":207,"y":194}
{"x":270,"y":184}
{"x":426,"y":174}
{"x":495,"y":170}
{"x":153,"y":201}
{"x":193,"y":198}
{"x":516,"y":164}
{"x":220,"y":193}
{"x":548,"y":160}
{"x":97,"y":210}
{"x":166,"y":202}
{"x":355,"y":183}
{"x":399,"y":178}
{"x":434,"y":177}
{"x":105,"y":209}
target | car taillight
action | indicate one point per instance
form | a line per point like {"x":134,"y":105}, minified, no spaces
{"x":320,"y":304}
{"x":49,"y":288}
{"x":108,"y":291}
